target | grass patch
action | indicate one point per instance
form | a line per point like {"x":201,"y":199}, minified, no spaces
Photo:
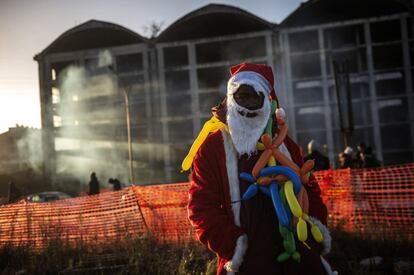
{"x":143,"y":255}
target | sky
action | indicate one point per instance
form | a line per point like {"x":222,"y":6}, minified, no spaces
{"x":29,"y":26}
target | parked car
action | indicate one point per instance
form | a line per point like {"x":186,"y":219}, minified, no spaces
{"x":47,"y":196}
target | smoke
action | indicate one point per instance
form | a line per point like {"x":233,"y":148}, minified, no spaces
{"x":104,"y":59}
{"x":89,"y":111}
{"x":29,"y":148}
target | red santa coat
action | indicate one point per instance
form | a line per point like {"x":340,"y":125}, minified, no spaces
{"x":219,"y":223}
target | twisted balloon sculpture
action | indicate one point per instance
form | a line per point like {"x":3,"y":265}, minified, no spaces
{"x":284,"y":185}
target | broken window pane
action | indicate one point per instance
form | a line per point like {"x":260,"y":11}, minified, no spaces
{"x":384,"y":31}
{"x":303,"y":41}
{"x":129,"y":63}
{"x":175,"y":56}
{"x":388,"y":56}
{"x":231,"y":50}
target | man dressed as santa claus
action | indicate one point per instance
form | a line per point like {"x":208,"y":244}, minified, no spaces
{"x":244,"y":234}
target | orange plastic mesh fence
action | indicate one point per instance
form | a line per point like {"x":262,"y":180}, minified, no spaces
{"x":378,"y":203}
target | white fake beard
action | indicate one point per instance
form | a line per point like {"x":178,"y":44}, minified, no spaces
{"x":246,"y":131}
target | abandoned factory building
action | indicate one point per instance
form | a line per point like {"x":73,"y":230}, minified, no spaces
{"x":95,"y":74}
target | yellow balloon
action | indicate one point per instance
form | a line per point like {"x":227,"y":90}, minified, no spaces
{"x":316,"y":233}
{"x":302,"y":230}
{"x":260,"y":146}
{"x":292,"y":200}
{"x":271,"y":161}
{"x":211,"y":125}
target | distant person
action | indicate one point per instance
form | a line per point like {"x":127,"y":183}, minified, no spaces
{"x":321,"y":161}
{"x":358,"y":162}
{"x":368,"y":159}
{"x":116,"y":184}
{"x":345,"y":158}
{"x":13,"y":193}
{"x":93,"y":185}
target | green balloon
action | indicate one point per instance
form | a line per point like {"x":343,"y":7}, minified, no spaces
{"x":283,"y":257}
{"x":296,"y":256}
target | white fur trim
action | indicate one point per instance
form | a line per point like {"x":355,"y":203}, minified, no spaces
{"x":235,"y":263}
{"x":256,"y":80}
{"x":232,"y":174}
{"x":327,"y":239}
{"x":327,"y":267}
{"x":246,"y":131}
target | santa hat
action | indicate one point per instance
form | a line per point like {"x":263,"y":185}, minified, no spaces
{"x":259,"y":76}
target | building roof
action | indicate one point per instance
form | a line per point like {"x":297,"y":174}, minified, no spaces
{"x":92,"y":34}
{"x":315,"y":12}
{"x":213,"y":20}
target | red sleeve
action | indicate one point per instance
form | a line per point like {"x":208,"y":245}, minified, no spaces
{"x":206,"y":207}
{"x":317,"y":208}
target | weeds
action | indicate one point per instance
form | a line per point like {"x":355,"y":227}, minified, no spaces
{"x":144,"y":255}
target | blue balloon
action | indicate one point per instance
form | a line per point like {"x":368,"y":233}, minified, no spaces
{"x":265,"y":190}
{"x":277,"y":203}
{"x":285,"y":205}
{"x":247,"y":177}
{"x":250,"y":192}
{"x":283,"y":170}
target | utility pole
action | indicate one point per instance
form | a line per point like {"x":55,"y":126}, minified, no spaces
{"x":128,"y":123}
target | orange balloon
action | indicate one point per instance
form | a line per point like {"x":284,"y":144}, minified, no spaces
{"x":307,"y":166}
{"x":304,"y":179}
{"x":282,"y":159}
{"x":280,"y":136}
{"x":281,"y":178}
{"x":264,"y":180}
{"x":266,"y":140}
{"x":261,"y":162}
{"x":268,"y":179}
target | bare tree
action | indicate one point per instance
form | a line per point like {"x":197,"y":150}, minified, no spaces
{"x":153,"y":28}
